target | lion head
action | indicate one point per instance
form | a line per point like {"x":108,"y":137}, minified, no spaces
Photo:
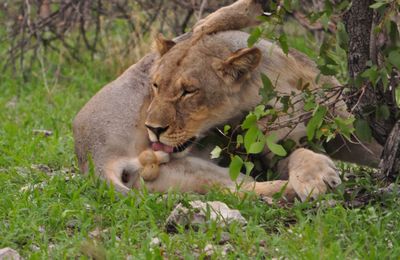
{"x":195,"y":85}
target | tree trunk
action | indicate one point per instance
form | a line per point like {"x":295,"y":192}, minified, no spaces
{"x":390,"y":160}
{"x":360,"y":20}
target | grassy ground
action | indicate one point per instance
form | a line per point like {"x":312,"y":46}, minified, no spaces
{"x":48,"y":210}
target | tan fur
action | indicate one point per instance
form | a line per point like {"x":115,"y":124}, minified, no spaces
{"x":240,"y":14}
{"x":203,"y":80}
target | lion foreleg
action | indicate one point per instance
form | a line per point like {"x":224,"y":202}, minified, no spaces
{"x":192,"y":174}
{"x":189,"y":174}
{"x":270,"y":188}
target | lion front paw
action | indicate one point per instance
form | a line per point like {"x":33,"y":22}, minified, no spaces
{"x":150,"y":162}
{"x":310,"y":173}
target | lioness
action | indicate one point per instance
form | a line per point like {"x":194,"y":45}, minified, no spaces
{"x":172,"y":97}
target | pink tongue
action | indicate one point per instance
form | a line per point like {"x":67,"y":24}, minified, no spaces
{"x":162,"y":147}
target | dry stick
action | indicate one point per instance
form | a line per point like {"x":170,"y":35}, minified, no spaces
{"x":186,"y":20}
{"x":359,"y":99}
{"x":12,"y":54}
{"x":202,"y":6}
{"x":303,"y":114}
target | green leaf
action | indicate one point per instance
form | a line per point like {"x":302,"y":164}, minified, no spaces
{"x":279,"y":195}
{"x":226,"y":128}
{"x":382,"y":112}
{"x":345,"y":126}
{"x":216,"y":152}
{"x":326,"y":70}
{"x":235,"y":166}
{"x":287,"y":4}
{"x":250,"y":137}
{"x":256,"y":147}
{"x":250,"y":121}
{"x":249,"y":167}
{"x":315,"y":122}
{"x":254,"y":36}
{"x":363,"y":131}
{"x":393,"y":32}
{"x":289,"y":144}
{"x":325,"y":21}
{"x":259,"y":111}
{"x":342,"y":36}
{"x":377,"y":5}
{"x":372,"y":74}
{"x":283,"y":42}
{"x":267,"y":84}
{"x":239,"y":140}
{"x":267,"y":92}
{"x":274,"y":147}
{"x":309,"y":105}
{"x":397,"y":95}
{"x":285,"y":101}
{"x":384,"y":77}
{"x":394,"y":58}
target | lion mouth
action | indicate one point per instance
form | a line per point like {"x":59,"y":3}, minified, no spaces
{"x":158,"y":146}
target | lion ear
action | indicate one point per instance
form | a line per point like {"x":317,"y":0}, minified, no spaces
{"x":163,"y":45}
{"x":239,"y":64}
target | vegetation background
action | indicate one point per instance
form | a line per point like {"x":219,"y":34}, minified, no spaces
{"x":55,"y":55}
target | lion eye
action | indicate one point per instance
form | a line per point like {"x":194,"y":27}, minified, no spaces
{"x":155,"y":85}
{"x":186,"y":92}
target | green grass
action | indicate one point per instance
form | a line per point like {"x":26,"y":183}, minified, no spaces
{"x":48,"y":210}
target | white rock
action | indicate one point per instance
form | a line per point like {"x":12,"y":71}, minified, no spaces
{"x":95,"y":233}
{"x":209,"y":250}
{"x":155,"y":242}
{"x":200,"y":212}
{"x":226,"y":249}
{"x":9,"y":254}
{"x":34,"y":248}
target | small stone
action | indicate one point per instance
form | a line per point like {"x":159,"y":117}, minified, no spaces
{"x":42,"y":167}
{"x":42,"y":132}
{"x":87,"y":206}
{"x":391,"y":189}
{"x":73,"y":225}
{"x":328,"y":203}
{"x":9,"y":254}
{"x":209,"y":250}
{"x":225,"y":237}
{"x":12,"y":103}
{"x":349,"y":176}
{"x":70,"y":177}
{"x":32,"y":187}
{"x":51,"y":246}
{"x":95,"y":233}
{"x":34,"y":248}
{"x":200,"y":212}
{"x":41,"y":229}
{"x":226,"y":249}
{"x":162,"y":198}
{"x":155,"y":242}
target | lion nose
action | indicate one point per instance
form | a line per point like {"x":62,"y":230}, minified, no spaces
{"x":157,"y":130}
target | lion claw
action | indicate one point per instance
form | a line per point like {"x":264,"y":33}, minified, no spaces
{"x":311,"y":173}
